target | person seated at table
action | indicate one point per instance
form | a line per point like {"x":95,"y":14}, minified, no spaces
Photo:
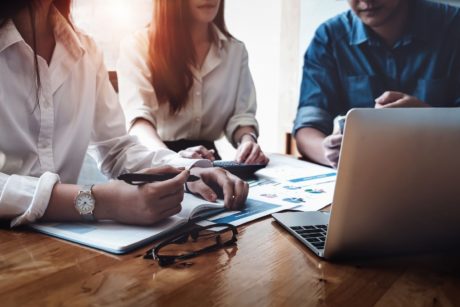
{"x":184,"y":82}
{"x":55,"y":101}
{"x":381,"y":54}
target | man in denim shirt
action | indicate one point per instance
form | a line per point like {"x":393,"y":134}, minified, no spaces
{"x":382,"y":54}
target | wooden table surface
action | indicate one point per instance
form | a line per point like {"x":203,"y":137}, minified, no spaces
{"x":268,"y":267}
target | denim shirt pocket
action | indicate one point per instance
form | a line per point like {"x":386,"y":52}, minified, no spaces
{"x":433,"y":91}
{"x":360,"y":91}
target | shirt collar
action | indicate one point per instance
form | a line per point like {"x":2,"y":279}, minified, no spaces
{"x":9,"y":35}
{"x":416,"y":29}
{"x":359,"y":32}
{"x":63,"y":32}
{"x":66,"y":35}
{"x":219,"y":38}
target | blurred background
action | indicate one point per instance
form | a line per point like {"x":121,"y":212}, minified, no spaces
{"x":276,"y":34}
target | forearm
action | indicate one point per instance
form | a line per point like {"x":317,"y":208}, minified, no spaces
{"x":147,"y":134}
{"x":310,"y":144}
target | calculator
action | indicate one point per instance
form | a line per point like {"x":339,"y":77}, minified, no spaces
{"x":242,"y":170}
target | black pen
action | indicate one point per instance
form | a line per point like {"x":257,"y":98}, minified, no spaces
{"x":141,"y":178}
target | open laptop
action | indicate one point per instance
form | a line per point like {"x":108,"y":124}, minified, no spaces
{"x":397,"y":188}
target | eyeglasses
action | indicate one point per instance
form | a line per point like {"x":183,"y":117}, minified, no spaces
{"x":204,"y":239}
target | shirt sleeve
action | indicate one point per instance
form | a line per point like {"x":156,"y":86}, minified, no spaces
{"x":246,"y":104}
{"x":136,"y":93}
{"x":320,"y":91}
{"x":25,"y":199}
{"x":115,"y":151}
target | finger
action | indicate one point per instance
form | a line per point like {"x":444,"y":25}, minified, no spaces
{"x":172,"y":193}
{"x":159,"y":190}
{"x":333,"y":141}
{"x":240,"y":194}
{"x":389,"y":97}
{"x":227,"y":185}
{"x":170,"y":212}
{"x":210,"y":155}
{"x":254,"y":155}
{"x":333,"y":157}
{"x":261,"y":159}
{"x":242,"y":153}
{"x":202,"y":189}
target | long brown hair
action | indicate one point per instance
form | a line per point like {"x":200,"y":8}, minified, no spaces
{"x":171,"y":50}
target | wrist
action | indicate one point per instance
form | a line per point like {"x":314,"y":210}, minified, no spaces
{"x":247,"y":137}
{"x":104,"y":202}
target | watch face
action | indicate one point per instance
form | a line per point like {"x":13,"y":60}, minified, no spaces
{"x":85,"y":203}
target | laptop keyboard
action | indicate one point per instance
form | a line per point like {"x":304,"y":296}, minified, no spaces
{"x":315,"y":235}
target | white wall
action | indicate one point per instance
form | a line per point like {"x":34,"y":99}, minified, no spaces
{"x":257,"y":24}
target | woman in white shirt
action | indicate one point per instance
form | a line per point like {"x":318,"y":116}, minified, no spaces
{"x":55,"y":101}
{"x":185,"y":81}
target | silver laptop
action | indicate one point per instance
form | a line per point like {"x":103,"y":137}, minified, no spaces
{"x":397,"y":188}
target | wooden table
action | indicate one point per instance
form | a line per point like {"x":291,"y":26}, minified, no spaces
{"x":268,"y":267}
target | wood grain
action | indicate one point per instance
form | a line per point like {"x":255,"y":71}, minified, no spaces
{"x":268,"y":267}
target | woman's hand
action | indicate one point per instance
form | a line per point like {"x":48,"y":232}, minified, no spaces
{"x":216,"y":182}
{"x":145,"y":204}
{"x":198,"y":152}
{"x":250,"y":152}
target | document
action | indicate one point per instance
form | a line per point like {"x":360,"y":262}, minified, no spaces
{"x":307,"y":185}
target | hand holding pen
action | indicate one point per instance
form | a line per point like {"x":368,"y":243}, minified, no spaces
{"x":143,"y":178}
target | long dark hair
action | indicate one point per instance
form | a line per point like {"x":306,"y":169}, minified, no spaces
{"x":171,"y":50}
{"x":10,"y":8}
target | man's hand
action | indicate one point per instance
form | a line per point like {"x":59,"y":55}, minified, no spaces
{"x":331,"y":146}
{"x":197,"y":152}
{"x":391,"y":99}
{"x":218,"y":182}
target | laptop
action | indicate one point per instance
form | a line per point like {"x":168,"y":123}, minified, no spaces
{"x":397,"y":188}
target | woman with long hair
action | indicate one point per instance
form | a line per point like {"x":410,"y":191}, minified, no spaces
{"x":184,"y":82}
{"x":55,"y":102}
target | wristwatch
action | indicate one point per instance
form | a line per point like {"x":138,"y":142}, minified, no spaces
{"x":85,"y":203}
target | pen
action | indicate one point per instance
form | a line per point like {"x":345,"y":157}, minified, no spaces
{"x":140,"y":178}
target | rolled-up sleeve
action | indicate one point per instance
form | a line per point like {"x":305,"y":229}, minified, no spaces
{"x":136,"y":93}
{"x":246,"y":104}
{"x":320,"y":91}
{"x":25,"y":199}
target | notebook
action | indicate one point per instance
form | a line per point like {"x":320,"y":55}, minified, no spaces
{"x":119,"y":238}
{"x":397,"y":188}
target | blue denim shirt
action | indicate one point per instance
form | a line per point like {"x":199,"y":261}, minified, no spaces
{"x":348,"y":66}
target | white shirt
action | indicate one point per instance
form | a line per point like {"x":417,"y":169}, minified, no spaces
{"x":221,"y":99}
{"x":78,"y":108}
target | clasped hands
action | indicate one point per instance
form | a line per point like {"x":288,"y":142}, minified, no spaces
{"x":389,"y":99}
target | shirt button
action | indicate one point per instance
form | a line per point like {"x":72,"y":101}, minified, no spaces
{"x":198,"y":93}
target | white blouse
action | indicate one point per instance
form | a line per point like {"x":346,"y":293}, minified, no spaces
{"x":78,"y":108}
{"x":221,"y":99}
